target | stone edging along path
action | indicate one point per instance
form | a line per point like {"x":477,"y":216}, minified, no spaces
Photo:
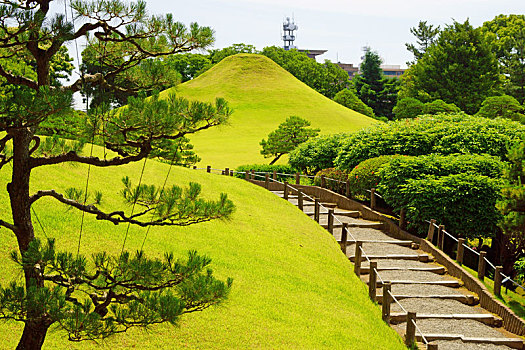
{"x":446,"y":315}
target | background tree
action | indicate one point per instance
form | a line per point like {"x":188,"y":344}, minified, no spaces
{"x":439,"y":106}
{"x":348,"y":99}
{"x":112,"y":293}
{"x":326,"y":78}
{"x":425,"y":35}
{"x":408,"y":108}
{"x":506,"y":33}
{"x":217,"y":55}
{"x":290,"y":134}
{"x":459,"y":68}
{"x":373,"y":88}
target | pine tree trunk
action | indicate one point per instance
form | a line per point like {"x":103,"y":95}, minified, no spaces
{"x":37,"y":325}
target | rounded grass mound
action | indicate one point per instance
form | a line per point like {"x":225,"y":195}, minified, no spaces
{"x":262,"y":95}
{"x":293,"y":288}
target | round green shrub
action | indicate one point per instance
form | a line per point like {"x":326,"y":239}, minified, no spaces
{"x":408,"y":107}
{"x":266,"y":168}
{"x":440,"y":106}
{"x":366,"y":175}
{"x":348,"y":99}
{"x":501,"y":106}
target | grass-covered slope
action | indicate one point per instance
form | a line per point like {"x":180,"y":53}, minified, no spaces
{"x":293,"y":288}
{"x":262,"y":95}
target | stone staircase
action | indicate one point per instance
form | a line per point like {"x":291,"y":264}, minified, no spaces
{"x":447,"y":313}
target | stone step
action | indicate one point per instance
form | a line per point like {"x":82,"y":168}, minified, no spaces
{"x":487,"y":319}
{"x":440,"y":270}
{"x":350,"y":214}
{"x":514,"y":343}
{"x":395,"y":241}
{"x":375,"y":225}
{"x":446,"y":283}
{"x":420,"y":257}
{"x":465,"y":299}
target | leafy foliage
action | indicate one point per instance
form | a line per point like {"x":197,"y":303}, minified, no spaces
{"x":348,"y":99}
{"x":458,"y":68}
{"x":215,"y":56}
{"x":440,"y":106}
{"x":443,"y":134}
{"x":501,"y":106}
{"x":316,"y":154}
{"x":288,"y":135}
{"x":112,"y":293}
{"x":366,"y":175}
{"x":326,"y":78}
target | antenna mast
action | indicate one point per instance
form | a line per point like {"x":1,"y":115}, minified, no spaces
{"x":289,"y":27}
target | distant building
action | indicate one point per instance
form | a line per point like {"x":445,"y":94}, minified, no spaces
{"x":349,"y":68}
{"x":390,"y":71}
{"x":313,"y":53}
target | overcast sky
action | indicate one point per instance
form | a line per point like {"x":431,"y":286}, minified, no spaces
{"x":341,"y":27}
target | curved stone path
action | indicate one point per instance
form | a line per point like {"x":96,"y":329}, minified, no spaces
{"x":447,"y":313}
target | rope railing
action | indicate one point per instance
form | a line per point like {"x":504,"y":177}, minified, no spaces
{"x":425,"y":341}
{"x":397,"y":302}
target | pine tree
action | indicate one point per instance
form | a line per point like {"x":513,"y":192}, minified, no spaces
{"x":110,"y":294}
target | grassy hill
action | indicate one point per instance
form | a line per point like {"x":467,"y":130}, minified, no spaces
{"x":293,"y":288}
{"x":262,"y":95}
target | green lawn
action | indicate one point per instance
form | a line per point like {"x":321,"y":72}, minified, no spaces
{"x":262,"y":95}
{"x":293,"y":288}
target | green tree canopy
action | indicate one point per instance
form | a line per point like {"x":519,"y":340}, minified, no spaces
{"x":459,"y":68}
{"x":425,"y":35}
{"x":348,"y":99}
{"x":290,"y":134}
{"x":501,"y":106}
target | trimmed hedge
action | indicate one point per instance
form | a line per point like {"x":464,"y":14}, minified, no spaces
{"x":316,"y":154}
{"x":444,"y":134}
{"x":266,"y":168}
{"x":464,"y":203}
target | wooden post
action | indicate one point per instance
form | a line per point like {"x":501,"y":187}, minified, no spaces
{"x":432,"y":346}
{"x":316,"y":209}
{"x":300,"y":199}
{"x":227,"y":171}
{"x":208,"y":169}
{"x":331,"y":221}
{"x":387,"y":287}
{"x":461,"y":249}
{"x":481,"y":265}
{"x":275,"y":175}
{"x":267,"y":181}
{"x":402,"y":219}
{"x":194,"y":167}
{"x":357,"y":258}
{"x":222,"y":172}
{"x":347,"y":188}
{"x":246,"y":175}
{"x":410,"y":334}
{"x":286,"y":190}
{"x":431,"y":228}
{"x":231,"y":172}
{"x":323,"y":181}
{"x":497,"y":281}
{"x":440,"y":238}
{"x":344,"y":237}
{"x":372,"y":281}
{"x":373,"y":198}
{"x":297,"y":178}
{"x":253,"y":174}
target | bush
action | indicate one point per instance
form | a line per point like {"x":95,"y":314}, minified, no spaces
{"x":348,"y":99}
{"x":408,"y":107}
{"x":265,"y":168}
{"x":440,"y":106}
{"x":366,"y":175}
{"x":444,"y":134}
{"x":501,"y":106}
{"x":316,"y":154}
{"x":464,"y":203}
{"x":332,"y":174}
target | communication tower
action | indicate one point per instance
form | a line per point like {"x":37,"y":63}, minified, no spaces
{"x":289,"y":27}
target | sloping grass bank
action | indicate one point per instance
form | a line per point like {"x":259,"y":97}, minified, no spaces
{"x":262,"y":95}
{"x":293,"y":288}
